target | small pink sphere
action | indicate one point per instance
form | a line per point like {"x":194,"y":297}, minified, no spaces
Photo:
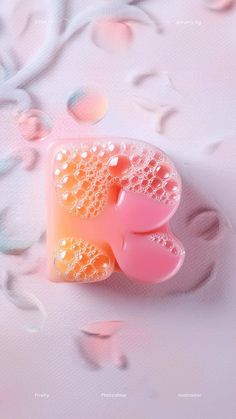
{"x":34,"y":125}
{"x":112,"y":35}
{"x":87,"y":105}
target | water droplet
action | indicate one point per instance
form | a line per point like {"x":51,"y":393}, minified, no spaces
{"x":163,"y":171}
{"x":137,"y":160}
{"x":119,"y":165}
{"x":156,"y":183}
{"x":206,"y":224}
{"x":34,"y":125}
{"x":112,"y":35}
{"x":62,"y":156}
{"x":68,"y":199}
{"x":80,"y":194}
{"x":103,"y":328}
{"x":218,"y":4}
{"x":145,"y":182}
{"x":87,"y":105}
{"x":69,"y":182}
{"x":134,"y":179}
{"x":174,"y":251}
{"x":171,"y":186}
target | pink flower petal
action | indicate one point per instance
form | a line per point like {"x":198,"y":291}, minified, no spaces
{"x":103,"y":329}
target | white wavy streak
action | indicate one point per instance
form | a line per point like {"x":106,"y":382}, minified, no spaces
{"x":114,"y":11}
{"x":22,"y":300}
{"x":20,"y":96}
{"x":120,"y":360}
{"x":21,"y":17}
{"x":162,"y":111}
{"x":54,"y":40}
{"x":207,"y":279}
{"x":42,"y":59}
{"x":8,"y":62}
{"x":144,"y":103}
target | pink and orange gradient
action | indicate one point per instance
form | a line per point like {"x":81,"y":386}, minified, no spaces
{"x":110,"y":202}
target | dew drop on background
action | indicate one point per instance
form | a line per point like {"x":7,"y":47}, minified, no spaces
{"x":218,"y":4}
{"x":112,"y":35}
{"x":34,"y":125}
{"x":87,"y":105}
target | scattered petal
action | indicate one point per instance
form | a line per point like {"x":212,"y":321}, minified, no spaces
{"x":95,"y":351}
{"x":103,"y":329}
{"x":162,"y":113}
{"x":212,"y":148}
{"x":144,"y":103}
{"x":138,"y":78}
{"x":34,"y":267}
{"x":24,"y":301}
{"x":100,"y":345}
{"x":206,"y":224}
{"x":207,"y":278}
{"x":11,"y":246}
{"x":120,"y":360}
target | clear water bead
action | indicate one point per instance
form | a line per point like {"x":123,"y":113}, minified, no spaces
{"x":87,"y":105}
{"x":34,"y":125}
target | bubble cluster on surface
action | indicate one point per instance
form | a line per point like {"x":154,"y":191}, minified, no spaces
{"x":85,"y":176}
{"x":81,"y":261}
{"x":165,"y":240}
